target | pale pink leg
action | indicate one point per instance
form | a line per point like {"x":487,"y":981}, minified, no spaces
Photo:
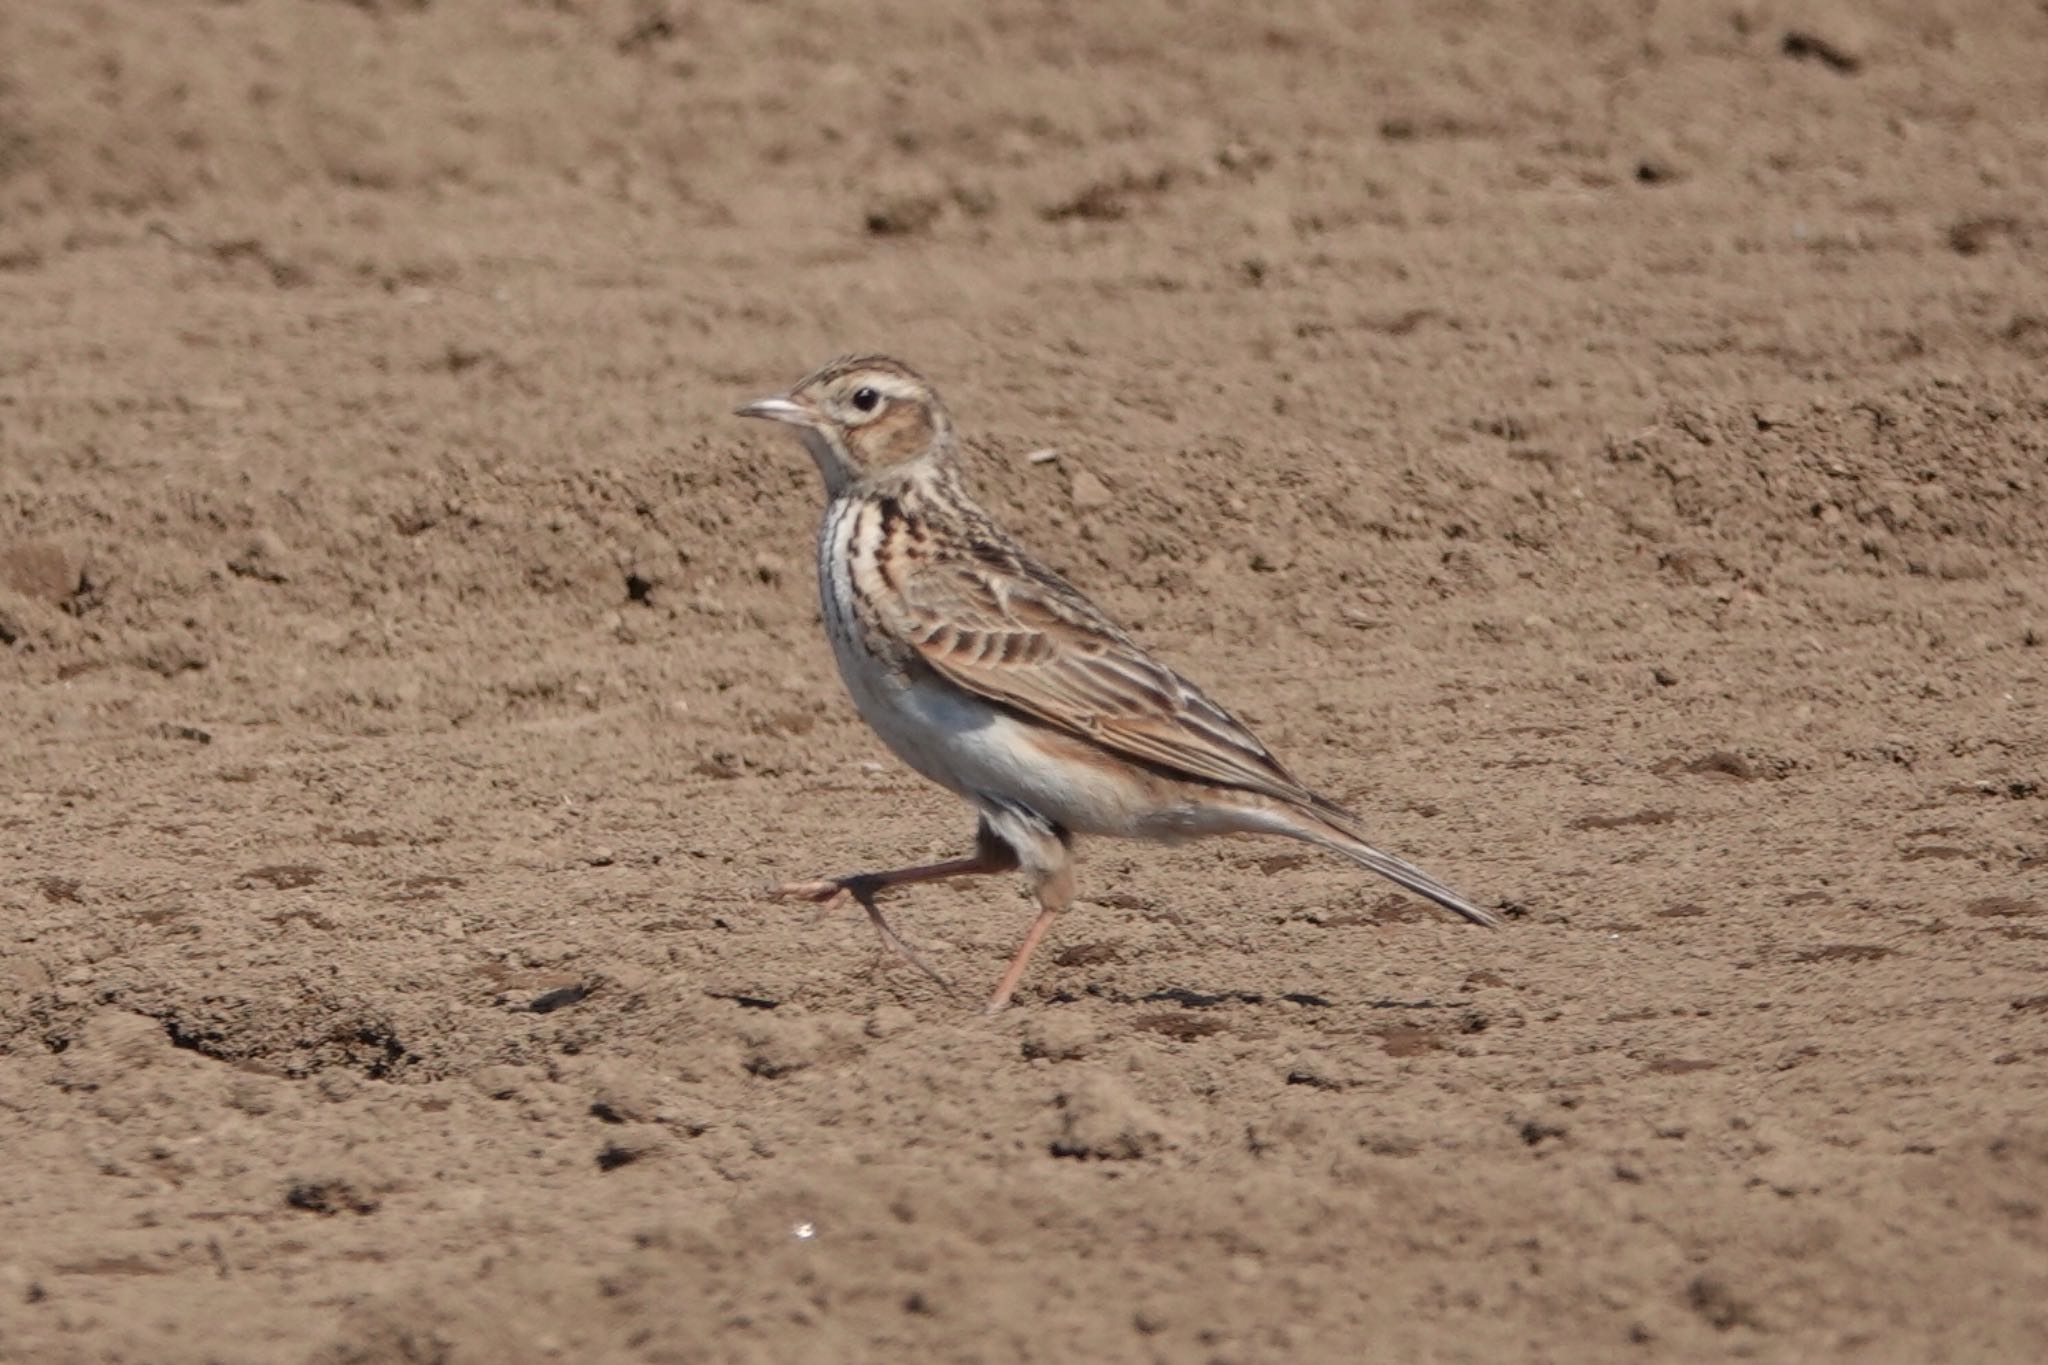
{"x":825,"y":890}
{"x":991,"y":855}
{"x":1055,"y":892}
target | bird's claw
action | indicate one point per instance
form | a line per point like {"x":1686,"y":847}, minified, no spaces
{"x":821,"y":892}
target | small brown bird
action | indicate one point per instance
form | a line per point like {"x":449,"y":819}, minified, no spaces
{"x":994,"y":677}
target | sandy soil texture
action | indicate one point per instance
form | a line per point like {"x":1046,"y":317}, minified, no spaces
{"x":1604,"y":442}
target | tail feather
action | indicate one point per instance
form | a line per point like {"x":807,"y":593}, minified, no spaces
{"x":1321,"y":828}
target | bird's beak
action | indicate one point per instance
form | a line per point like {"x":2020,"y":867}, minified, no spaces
{"x":781,"y":410}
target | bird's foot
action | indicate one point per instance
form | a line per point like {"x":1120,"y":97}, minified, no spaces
{"x":823,"y":891}
{"x":862,"y":886}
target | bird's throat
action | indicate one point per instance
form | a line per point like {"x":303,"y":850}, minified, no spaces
{"x":837,"y":470}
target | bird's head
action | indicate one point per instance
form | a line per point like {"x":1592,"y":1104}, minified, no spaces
{"x":860,"y":416}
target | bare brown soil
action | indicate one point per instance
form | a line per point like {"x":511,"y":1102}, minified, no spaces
{"x":1608,"y":447}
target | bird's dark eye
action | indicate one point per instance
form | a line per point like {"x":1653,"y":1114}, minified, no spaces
{"x":865,"y":399}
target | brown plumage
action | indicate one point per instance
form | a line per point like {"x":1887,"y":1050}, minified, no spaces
{"x":993,"y":676}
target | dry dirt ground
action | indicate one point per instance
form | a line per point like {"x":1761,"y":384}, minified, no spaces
{"x":1608,"y":447}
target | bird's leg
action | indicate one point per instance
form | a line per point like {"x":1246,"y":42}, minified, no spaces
{"x":1055,"y":891}
{"x":863,"y":886}
{"x":991,"y":856}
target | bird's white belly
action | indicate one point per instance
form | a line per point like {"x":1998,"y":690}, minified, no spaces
{"x":979,"y":750}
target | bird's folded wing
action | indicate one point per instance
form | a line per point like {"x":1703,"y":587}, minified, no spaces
{"x":1022,"y":636}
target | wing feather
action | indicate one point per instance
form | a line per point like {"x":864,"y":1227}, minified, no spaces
{"x":999,"y":624}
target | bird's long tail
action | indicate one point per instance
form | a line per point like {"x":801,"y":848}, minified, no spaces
{"x":1327,"y":829}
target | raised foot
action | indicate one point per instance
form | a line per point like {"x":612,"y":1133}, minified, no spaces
{"x":821,"y":892}
{"x":863,"y":887}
